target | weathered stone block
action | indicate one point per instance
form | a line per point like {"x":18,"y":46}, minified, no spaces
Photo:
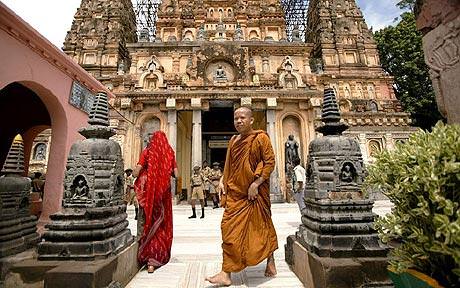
{"x":326,"y":272}
{"x":115,"y":270}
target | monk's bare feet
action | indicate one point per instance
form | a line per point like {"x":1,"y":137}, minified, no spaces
{"x":270,"y":271}
{"x":220,"y":279}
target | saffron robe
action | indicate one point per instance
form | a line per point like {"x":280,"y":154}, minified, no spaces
{"x":248,"y":233}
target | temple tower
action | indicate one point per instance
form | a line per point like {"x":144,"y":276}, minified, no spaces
{"x":98,"y":36}
{"x":341,"y":37}
{"x":181,"y":20}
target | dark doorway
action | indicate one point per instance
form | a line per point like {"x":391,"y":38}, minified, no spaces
{"x":218,"y":155}
{"x":217,"y":130}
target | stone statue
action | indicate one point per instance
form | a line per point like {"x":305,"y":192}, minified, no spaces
{"x":346,"y":174}
{"x":121,"y":68}
{"x":201,"y":33}
{"x":238,"y":36}
{"x":81,"y":189}
{"x":220,"y":73}
{"x":40,"y":152}
{"x":291,"y":151}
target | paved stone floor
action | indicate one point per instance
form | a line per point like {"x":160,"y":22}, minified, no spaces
{"x":196,"y":251}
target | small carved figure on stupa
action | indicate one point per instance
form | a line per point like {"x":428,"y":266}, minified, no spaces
{"x":81,"y":189}
{"x":347,"y":174}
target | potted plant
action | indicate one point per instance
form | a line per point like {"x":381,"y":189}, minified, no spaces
{"x":421,"y":177}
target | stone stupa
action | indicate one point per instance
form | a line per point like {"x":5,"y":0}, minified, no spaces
{"x":17,"y":226}
{"x":93,"y":221}
{"x":336,"y":245}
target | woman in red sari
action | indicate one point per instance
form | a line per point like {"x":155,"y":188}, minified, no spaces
{"x":153,"y":190}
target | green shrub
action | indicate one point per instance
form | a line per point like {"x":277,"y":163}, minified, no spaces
{"x":422,"y":179}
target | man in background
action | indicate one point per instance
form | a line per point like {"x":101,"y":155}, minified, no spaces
{"x":299,"y":185}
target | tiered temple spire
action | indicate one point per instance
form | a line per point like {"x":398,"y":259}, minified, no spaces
{"x":331,"y":115}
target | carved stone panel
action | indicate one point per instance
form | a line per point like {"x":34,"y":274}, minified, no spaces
{"x":220,"y":72}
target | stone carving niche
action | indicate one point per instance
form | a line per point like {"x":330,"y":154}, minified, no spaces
{"x":220,"y":71}
{"x":289,"y":76}
{"x":152,"y":78}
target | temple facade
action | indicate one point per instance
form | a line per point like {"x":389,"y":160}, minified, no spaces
{"x":211,"y":56}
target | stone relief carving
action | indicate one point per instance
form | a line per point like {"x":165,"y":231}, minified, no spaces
{"x":40,"y":152}
{"x":201,"y":36}
{"x":79,"y":188}
{"x":220,"y":72}
{"x":289,"y":76}
{"x":442,"y":48}
{"x":233,"y":58}
{"x":152,"y":78}
{"x":238,"y":36}
{"x":348,"y":173}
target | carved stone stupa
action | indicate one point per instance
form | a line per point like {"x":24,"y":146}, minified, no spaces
{"x":92,"y":223}
{"x":336,"y":240}
{"x":17,"y":227}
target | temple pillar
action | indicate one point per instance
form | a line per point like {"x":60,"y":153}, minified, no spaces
{"x":196,"y":133}
{"x":275,"y":191}
{"x":172,"y":122}
{"x":389,"y":141}
{"x":172,"y":133}
{"x":362,"y":146}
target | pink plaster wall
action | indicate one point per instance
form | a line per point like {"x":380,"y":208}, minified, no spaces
{"x":28,"y":58}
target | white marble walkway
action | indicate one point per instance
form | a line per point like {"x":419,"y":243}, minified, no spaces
{"x":196,"y":251}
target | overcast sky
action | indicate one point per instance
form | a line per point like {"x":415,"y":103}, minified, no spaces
{"x":53,"y":18}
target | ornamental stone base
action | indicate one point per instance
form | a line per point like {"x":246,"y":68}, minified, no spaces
{"x":325,"y":272}
{"x":85,"y":234}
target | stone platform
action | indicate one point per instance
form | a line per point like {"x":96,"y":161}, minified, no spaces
{"x":196,"y":251}
{"x":115,"y":271}
{"x":325,"y":272}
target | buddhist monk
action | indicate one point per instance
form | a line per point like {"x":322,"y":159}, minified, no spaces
{"x":248,"y":234}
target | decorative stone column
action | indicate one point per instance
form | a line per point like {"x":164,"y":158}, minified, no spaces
{"x":363,"y":147}
{"x":172,"y":122}
{"x":389,"y":141}
{"x":336,"y":244}
{"x":275,"y":192}
{"x":172,"y":133}
{"x":17,"y":227}
{"x":196,"y":133}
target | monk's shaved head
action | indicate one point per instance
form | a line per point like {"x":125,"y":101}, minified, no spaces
{"x":245,"y":109}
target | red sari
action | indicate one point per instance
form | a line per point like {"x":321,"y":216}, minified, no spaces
{"x":153,"y":191}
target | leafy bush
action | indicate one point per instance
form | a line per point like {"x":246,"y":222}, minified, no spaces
{"x":422,"y":179}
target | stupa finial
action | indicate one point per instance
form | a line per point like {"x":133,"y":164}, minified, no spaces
{"x":14,"y":163}
{"x":331,"y":115}
{"x":98,"y":119}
